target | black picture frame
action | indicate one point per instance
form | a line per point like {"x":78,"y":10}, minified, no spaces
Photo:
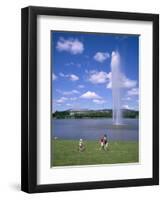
{"x":29,"y":99}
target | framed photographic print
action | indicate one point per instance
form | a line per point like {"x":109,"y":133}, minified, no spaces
{"x":90,"y":99}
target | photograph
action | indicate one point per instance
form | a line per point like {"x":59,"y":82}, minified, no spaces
{"x":89,"y":99}
{"x":94,"y":98}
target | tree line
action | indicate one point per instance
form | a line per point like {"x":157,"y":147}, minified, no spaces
{"x":92,"y":114}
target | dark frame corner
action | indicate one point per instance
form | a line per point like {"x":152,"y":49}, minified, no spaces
{"x":29,"y":98}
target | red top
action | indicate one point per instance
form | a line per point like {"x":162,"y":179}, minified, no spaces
{"x":102,"y":140}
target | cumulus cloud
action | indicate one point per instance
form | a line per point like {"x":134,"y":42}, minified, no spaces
{"x":127,"y":99}
{"x":96,"y":77}
{"x":61,"y":100}
{"x":99,"y":101}
{"x":67,"y":93}
{"x":71,"y":92}
{"x":126,"y":107}
{"x":73,"y":98}
{"x":90,"y":95}
{"x":72,"y":45}
{"x":73,"y":64}
{"x":100,"y":77}
{"x":68,"y":104}
{"x":62,"y":75}
{"x":75,"y":92}
{"x":101,"y":56}
{"x":133,"y":92}
{"x":54,"y":77}
{"x":124,"y":82}
{"x":70,"y":64}
{"x":109,"y":85}
{"x":71,"y":77}
{"x":129,"y":107}
{"x":128,"y":83}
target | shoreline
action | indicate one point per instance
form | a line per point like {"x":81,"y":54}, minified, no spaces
{"x":94,"y":118}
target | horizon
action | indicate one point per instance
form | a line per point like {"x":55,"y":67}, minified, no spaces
{"x":87,"y":109}
{"x":81,"y":72}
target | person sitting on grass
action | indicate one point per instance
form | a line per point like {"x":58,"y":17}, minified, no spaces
{"x":81,"y":145}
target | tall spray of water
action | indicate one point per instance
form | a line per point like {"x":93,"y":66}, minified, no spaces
{"x":116,"y":87}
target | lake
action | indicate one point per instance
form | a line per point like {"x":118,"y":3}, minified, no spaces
{"x":93,"y":129}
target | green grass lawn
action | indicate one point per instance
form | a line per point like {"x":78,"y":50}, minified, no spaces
{"x":65,"y":152}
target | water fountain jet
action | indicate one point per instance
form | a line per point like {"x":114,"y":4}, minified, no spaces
{"x":116,"y":88}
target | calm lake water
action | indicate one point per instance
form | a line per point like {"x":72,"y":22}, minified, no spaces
{"x":93,"y":129}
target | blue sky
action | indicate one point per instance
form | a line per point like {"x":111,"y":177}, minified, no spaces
{"x":81,"y":71}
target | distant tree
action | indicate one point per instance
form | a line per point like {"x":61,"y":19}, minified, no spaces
{"x":93,"y":114}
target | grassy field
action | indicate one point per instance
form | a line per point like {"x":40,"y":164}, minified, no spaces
{"x":65,"y":152}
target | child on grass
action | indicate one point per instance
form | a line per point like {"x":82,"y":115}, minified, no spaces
{"x":81,"y":145}
{"x":104,"y":143}
{"x":101,"y":143}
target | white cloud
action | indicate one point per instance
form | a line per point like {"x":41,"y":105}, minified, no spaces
{"x":128,"y":83}
{"x":126,"y":107}
{"x":127,"y":99}
{"x":90,"y":95}
{"x":101,"y":56}
{"x":99,"y":101}
{"x":73,"y":64}
{"x":66,"y":93}
{"x":133,"y":92}
{"x":73,"y":46}
{"x":56,"y":104}
{"x":71,"y":92}
{"x":75,"y":92}
{"x":73,"y":98}
{"x":81,"y":86}
{"x":129,"y":107}
{"x":101,"y":77}
{"x":61,"y":100}
{"x":61,"y":74}
{"x":70,"y":64}
{"x":96,"y":77}
{"x":68,"y":104}
{"x":71,"y":77}
{"x":124,"y":82}
{"x":54,"y":77}
{"x":109,"y":85}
